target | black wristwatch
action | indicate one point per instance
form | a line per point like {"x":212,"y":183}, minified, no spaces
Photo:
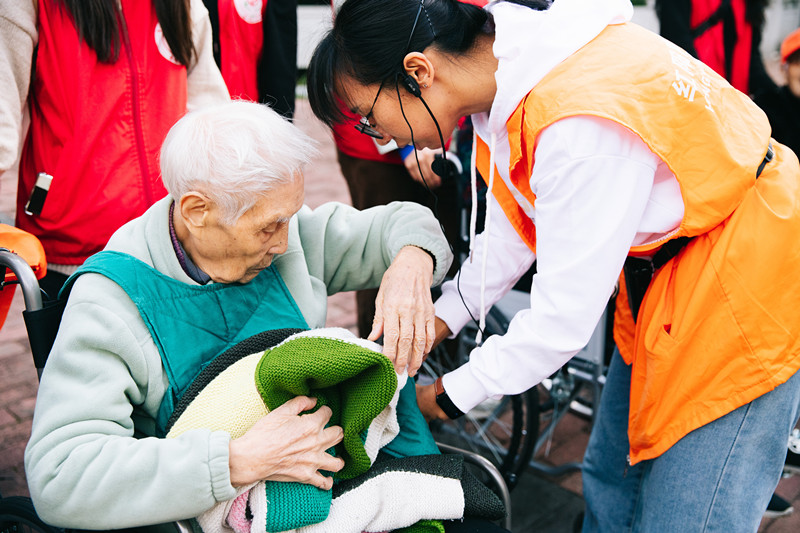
{"x":444,"y":402}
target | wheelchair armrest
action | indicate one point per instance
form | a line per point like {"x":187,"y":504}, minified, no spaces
{"x":184,"y":526}
{"x":26,"y":277}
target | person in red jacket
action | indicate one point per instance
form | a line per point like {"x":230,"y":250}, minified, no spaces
{"x":377,"y":178}
{"x":104,"y":82}
{"x":255,"y":46}
{"x":723,"y":34}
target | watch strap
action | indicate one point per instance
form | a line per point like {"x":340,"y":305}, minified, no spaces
{"x":444,"y":402}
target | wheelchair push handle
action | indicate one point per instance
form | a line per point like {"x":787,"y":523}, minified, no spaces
{"x":25,"y":276}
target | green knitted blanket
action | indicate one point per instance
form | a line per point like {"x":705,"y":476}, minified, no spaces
{"x":355,"y":382}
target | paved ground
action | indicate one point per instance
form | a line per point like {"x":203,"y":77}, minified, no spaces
{"x":538,"y":503}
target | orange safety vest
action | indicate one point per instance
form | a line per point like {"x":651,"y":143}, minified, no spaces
{"x":719,"y":325}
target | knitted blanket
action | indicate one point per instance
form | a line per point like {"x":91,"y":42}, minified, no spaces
{"x":356,"y":382}
{"x":359,"y":384}
{"x":389,"y":496}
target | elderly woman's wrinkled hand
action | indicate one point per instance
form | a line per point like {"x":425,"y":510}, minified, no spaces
{"x":404,"y":311}
{"x":285,"y":446}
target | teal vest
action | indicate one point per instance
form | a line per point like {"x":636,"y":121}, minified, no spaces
{"x":193,"y":324}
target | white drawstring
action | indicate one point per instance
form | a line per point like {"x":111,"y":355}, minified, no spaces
{"x":473,"y":180}
{"x":485,"y":255}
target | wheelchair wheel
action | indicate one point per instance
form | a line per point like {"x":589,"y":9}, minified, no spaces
{"x":505,"y":430}
{"x":18,"y":516}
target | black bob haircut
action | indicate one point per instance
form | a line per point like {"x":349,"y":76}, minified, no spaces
{"x":370,"y":38}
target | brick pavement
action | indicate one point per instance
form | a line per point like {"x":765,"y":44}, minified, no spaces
{"x":538,"y":503}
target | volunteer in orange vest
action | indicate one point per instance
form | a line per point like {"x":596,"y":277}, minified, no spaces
{"x":605,"y":146}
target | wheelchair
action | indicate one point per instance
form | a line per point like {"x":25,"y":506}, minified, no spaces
{"x":22,"y":263}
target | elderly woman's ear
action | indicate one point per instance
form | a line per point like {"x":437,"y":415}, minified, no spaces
{"x":194,"y":209}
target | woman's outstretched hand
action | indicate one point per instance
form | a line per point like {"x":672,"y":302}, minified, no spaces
{"x":426,"y":400}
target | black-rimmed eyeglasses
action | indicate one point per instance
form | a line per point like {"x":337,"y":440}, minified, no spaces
{"x":364,"y":126}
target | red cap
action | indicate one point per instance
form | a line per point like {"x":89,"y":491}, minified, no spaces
{"x":790,"y":45}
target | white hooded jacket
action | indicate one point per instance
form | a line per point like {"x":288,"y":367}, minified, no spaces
{"x":599,"y":190}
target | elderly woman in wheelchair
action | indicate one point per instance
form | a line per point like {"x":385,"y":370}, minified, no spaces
{"x":138,"y":419}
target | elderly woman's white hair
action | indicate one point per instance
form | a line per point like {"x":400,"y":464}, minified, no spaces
{"x":234,"y":153}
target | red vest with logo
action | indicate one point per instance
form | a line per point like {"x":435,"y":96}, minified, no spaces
{"x":241,"y":39}
{"x":97,"y":128}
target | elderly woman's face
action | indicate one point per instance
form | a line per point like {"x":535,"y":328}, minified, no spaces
{"x":237,"y":253}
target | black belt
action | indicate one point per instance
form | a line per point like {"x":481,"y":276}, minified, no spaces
{"x":639,"y":271}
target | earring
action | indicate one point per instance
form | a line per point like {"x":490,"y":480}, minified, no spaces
{"x":424,"y":85}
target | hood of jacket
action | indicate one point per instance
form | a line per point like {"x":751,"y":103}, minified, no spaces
{"x":529,"y":43}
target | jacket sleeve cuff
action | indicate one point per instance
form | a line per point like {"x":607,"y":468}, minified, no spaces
{"x":451,"y":310}
{"x":439,"y":251}
{"x":218,"y":464}
{"x":463,"y":389}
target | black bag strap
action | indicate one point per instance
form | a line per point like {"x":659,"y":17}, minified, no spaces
{"x":639,"y":272}
{"x":712,"y":20}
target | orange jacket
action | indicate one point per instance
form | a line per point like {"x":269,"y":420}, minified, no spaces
{"x":718,"y":326}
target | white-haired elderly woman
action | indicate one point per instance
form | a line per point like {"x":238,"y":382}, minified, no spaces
{"x":230,"y":252}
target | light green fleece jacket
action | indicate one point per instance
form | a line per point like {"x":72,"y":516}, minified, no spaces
{"x":92,"y":461}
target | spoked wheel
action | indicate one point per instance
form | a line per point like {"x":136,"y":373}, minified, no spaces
{"x":18,"y":516}
{"x":503,"y":430}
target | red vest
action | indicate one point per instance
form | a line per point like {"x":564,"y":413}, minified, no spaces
{"x":241,"y":39}
{"x":97,"y":128}
{"x":719,"y":325}
{"x":710,"y":44}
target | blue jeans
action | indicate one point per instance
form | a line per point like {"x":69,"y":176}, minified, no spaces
{"x":717,"y":478}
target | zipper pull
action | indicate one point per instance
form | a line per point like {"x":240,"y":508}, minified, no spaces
{"x":627,"y":464}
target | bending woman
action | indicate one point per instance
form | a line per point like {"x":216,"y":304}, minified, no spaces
{"x":604,"y":146}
